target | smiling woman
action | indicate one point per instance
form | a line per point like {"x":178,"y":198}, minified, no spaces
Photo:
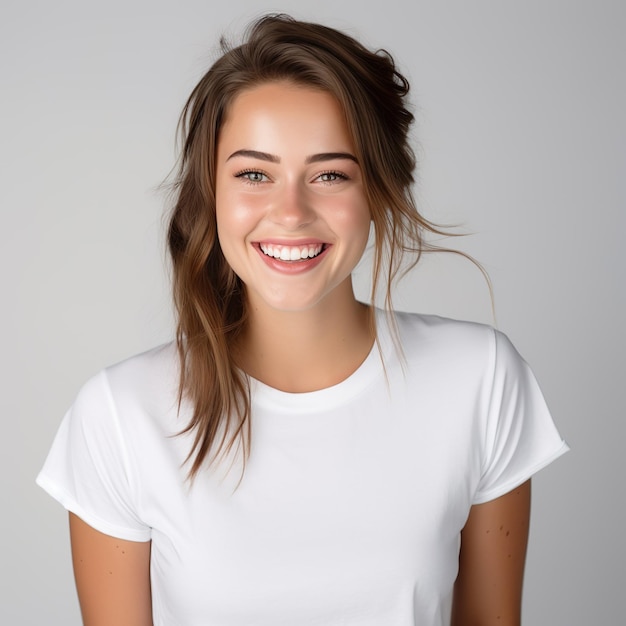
{"x":297,"y":456}
{"x":292,"y":216}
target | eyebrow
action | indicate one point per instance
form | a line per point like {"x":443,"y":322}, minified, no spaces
{"x":255,"y":154}
{"x":314,"y":158}
{"x":330,"y":156}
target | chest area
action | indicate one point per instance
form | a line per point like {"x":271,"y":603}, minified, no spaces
{"x":358,"y":515}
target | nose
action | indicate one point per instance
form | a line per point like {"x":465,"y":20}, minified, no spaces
{"x":291,"y":206}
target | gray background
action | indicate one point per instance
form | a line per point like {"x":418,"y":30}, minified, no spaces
{"x":521,"y":140}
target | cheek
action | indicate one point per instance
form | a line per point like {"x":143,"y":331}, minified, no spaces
{"x":233,"y":214}
{"x":236,"y":217}
{"x":227,"y":218}
{"x":236,"y":208}
{"x":354,"y":218}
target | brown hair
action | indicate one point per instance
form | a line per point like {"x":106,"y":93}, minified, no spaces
{"x":209,"y":297}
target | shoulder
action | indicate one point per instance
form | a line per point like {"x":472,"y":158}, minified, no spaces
{"x":449,"y":342}
{"x":433,"y":332}
{"x":153,"y":369}
{"x":436,"y":324}
{"x":143,"y":380}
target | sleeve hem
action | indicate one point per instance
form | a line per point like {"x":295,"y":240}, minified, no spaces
{"x":68,"y":502}
{"x":500,"y":490}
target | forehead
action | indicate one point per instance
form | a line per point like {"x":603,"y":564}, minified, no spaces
{"x":275,"y":92}
{"x":274,"y":112}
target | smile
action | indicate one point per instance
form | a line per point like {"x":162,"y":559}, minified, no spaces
{"x":291,"y":253}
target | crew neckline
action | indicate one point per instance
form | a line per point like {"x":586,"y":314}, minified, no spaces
{"x":371,"y":368}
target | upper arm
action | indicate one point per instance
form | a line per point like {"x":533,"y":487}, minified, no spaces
{"x":488,"y":589}
{"x":112,"y":577}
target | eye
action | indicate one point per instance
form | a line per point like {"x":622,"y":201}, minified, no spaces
{"x":252,"y":176}
{"x":331,"y":177}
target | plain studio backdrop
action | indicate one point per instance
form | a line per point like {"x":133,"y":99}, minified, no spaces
{"x":520,"y":136}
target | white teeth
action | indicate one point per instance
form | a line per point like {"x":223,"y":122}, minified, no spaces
{"x":291,"y":253}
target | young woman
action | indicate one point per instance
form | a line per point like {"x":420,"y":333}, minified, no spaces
{"x":296,"y":456}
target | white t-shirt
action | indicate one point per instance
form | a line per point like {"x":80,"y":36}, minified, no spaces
{"x":351,"y":504}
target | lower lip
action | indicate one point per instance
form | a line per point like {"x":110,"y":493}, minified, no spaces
{"x":292,"y":267}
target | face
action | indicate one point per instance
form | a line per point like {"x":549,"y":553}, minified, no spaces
{"x":292,"y":216}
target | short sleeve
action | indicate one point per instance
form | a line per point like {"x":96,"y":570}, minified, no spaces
{"x":88,"y":470}
{"x":521,"y":437}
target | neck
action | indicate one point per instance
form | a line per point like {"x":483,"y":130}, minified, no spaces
{"x":306,"y":350}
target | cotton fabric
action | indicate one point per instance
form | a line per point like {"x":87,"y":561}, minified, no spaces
{"x":353,"y":498}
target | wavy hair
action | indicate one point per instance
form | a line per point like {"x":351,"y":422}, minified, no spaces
{"x":209,"y":297}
